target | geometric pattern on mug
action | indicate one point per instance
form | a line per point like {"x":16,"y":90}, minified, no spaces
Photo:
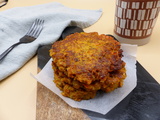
{"x":136,"y":19}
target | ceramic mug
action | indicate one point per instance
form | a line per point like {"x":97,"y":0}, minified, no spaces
{"x":135,"y":20}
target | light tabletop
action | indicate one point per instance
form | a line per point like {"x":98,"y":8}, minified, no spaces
{"x":18,"y":92}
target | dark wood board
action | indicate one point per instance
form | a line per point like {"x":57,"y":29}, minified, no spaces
{"x":143,"y":103}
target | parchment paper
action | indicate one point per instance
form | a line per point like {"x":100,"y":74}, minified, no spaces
{"x":103,"y":102}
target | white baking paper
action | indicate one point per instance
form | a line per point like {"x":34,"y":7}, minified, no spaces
{"x":103,"y":102}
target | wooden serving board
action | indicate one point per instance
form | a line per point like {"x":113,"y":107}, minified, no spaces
{"x":51,"y":107}
{"x":143,"y":103}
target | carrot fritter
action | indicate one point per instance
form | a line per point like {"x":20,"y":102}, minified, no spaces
{"x":84,"y":63}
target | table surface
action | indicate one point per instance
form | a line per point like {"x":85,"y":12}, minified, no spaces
{"x":18,"y":92}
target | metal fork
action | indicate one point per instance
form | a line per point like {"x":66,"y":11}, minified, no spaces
{"x":30,"y":36}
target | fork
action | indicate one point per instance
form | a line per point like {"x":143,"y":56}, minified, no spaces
{"x":30,"y":36}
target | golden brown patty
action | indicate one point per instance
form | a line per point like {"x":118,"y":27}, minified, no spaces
{"x":84,"y":63}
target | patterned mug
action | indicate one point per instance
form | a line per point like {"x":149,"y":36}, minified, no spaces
{"x":135,"y":20}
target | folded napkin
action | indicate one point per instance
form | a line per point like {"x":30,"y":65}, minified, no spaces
{"x":15,"y":22}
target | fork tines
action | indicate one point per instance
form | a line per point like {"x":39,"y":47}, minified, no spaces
{"x":36,"y":26}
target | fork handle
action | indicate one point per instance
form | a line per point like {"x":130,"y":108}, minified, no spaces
{"x":3,"y":55}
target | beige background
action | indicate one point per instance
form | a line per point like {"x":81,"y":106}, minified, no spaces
{"x":18,"y":92}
